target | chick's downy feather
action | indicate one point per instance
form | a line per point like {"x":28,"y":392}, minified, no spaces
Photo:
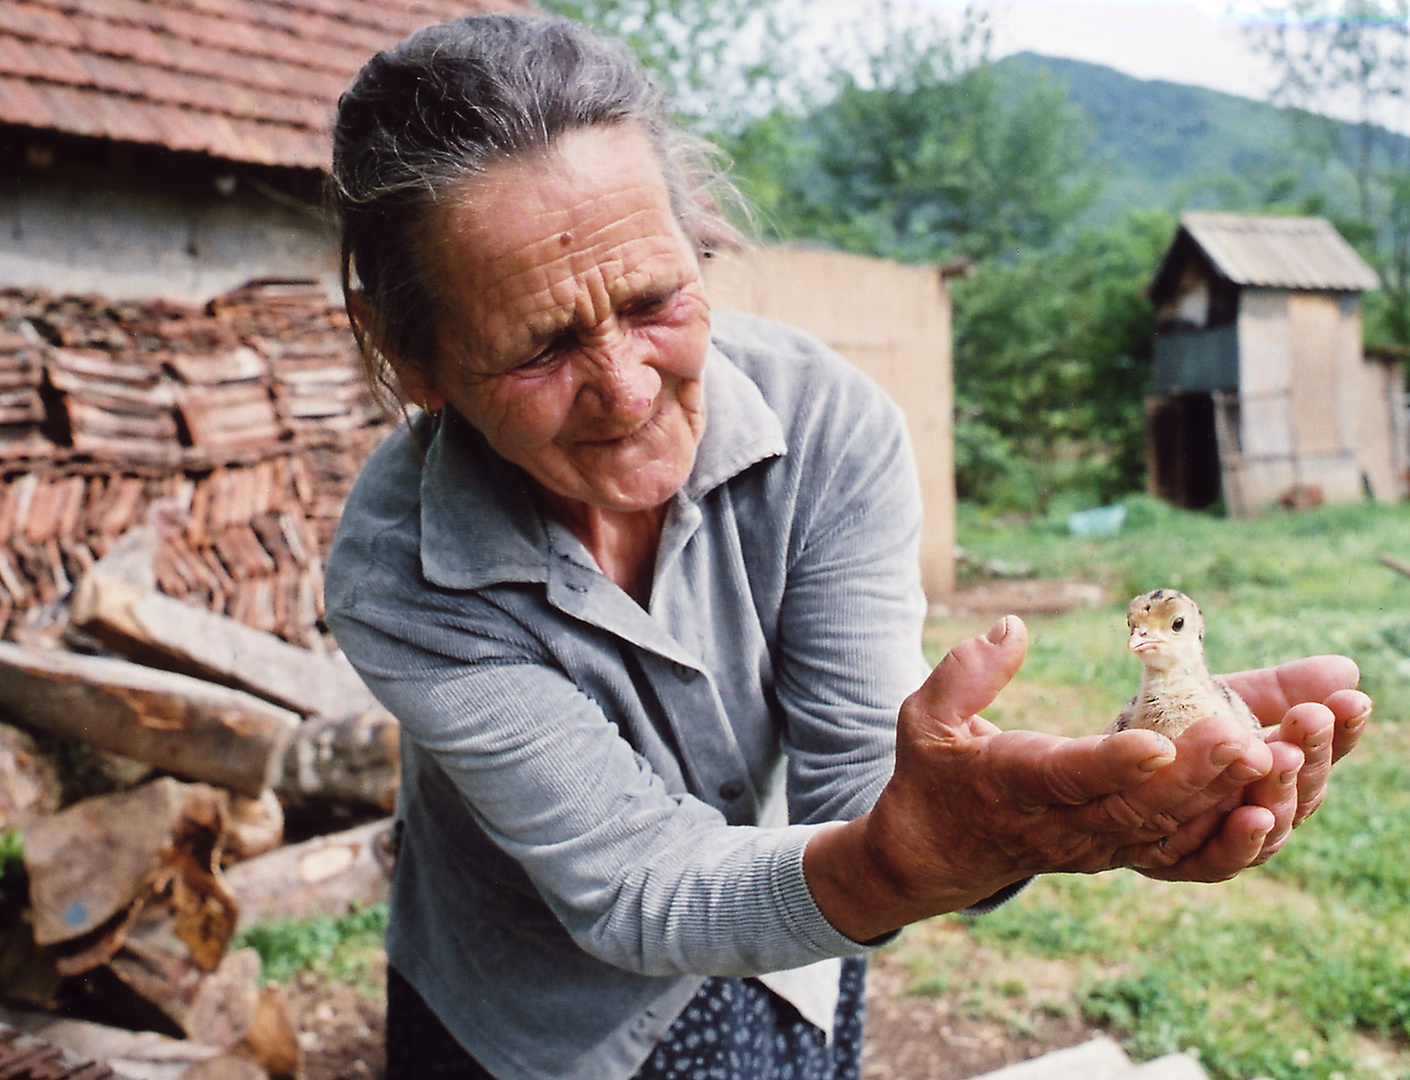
{"x":1167,"y":634}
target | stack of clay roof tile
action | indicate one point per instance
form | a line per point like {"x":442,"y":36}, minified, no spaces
{"x":241,"y":425}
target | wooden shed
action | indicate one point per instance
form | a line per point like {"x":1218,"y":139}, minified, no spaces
{"x":1262,"y":393}
{"x":891,"y":321}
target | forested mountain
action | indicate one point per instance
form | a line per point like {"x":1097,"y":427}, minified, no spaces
{"x":1179,"y":147}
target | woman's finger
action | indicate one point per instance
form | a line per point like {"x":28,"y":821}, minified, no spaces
{"x":1271,"y":692}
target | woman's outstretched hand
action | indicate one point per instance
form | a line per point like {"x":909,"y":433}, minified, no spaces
{"x":971,"y":809}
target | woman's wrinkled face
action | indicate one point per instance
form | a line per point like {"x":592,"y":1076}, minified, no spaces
{"x":572,"y":324}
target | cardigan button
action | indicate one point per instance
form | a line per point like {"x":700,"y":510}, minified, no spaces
{"x":731,"y":790}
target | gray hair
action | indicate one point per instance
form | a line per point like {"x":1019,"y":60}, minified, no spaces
{"x":446,"y":103}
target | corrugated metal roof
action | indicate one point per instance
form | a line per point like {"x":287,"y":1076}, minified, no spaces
{"x":251,"y":81}
{"x":1279,"y":252}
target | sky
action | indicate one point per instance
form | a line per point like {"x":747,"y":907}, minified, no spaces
{"x":1188,"y":41}
{"x":1200,"y":42}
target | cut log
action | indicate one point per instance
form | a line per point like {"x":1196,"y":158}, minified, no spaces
{"x":354,"y":759}
{"x":215,"y":1008}
{"x":29,"y":781}
{"x":94,"y":867}
{"x":162,"y":631}
{"x":328,"y":875}
{"x":256,"y":825}
{"x":185,"y":726}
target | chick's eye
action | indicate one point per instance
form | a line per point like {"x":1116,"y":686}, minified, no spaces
{"x":1178,"y":624}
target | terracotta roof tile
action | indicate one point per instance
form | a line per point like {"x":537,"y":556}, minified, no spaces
{"x":19,"y":100}
{"x":246,"y":80}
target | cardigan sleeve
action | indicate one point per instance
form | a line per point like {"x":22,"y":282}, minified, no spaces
{"x":642,"y":878}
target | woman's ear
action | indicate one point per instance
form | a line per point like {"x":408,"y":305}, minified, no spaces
{"x":415,"y":382}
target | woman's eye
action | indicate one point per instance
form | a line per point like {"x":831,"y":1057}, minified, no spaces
{"x":646,"y":306}
{"x":1178,"y":624}
{"x":541,"y":359}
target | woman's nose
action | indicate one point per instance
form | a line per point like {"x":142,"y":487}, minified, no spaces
{"x":621,"y":381}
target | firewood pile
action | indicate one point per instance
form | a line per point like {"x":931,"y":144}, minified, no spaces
{"x":170,"y":478}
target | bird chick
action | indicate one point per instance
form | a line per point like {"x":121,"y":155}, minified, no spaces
{"x":1167,"y":634}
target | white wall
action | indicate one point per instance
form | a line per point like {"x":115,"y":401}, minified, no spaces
{"x":71,"y":234}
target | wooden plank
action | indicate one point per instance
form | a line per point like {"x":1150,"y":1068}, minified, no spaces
{"x":220,"y":414}
{"x":218,"y":570}
{"x":188,"y":727}
{"x":160,"y":630}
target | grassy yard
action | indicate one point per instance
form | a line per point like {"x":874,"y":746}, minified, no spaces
{"x":1297,"y":970}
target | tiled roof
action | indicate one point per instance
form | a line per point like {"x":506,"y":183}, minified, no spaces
{"x":1279,"y":252}
{"x":251,"y":81}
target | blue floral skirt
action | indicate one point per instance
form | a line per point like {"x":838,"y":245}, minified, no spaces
{"x":732,"y":1029}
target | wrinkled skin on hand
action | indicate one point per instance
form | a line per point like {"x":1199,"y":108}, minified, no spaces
{"x":971,"y":809}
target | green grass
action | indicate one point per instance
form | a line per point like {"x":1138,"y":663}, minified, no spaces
{"x":1273,"y":589}
{"x":346,"y":948}
{"x":1299,"y":970}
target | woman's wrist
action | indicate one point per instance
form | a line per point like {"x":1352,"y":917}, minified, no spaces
{"x":867,"y":887}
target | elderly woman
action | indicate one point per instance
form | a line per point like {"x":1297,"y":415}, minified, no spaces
{"x":639,"y":580}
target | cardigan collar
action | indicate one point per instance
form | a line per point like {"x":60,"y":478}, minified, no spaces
{"x":480,"y":524}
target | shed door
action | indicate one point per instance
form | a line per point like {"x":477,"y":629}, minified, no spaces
{"x":1321,"y":376}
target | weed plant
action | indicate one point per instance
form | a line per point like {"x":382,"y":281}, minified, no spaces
{"x":1298,"y":970}
{"x":345,"y":948}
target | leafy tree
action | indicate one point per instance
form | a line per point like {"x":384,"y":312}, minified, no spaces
{"x":1052,"y":363}
{"x":1356,"y":52}
{"x":923,"y":151}
{"x":725,"y":62}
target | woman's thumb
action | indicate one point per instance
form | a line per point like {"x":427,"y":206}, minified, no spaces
{"x":971,"y":675}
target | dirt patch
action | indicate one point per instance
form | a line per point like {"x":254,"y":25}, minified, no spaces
{"x":341,"y":1027}
{"x":953,"y":1035}
{"x":1024,"y":596}
{"x":908,"y":1036}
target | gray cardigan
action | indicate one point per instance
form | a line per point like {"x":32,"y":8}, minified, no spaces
{"x":596,"y":797}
